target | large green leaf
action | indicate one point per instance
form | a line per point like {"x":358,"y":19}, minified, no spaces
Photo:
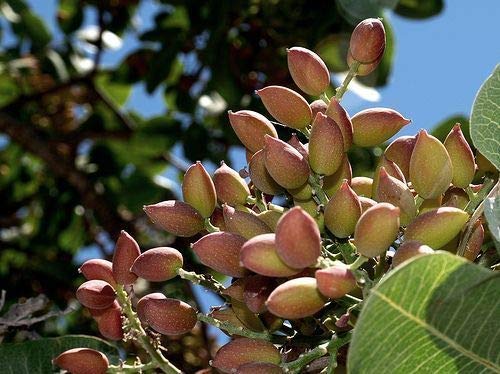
{"x":492,"y":214}
{"x":118,"y":92}
{"x":436,"y":314}
{"x":36,"y":356}
{"x":419,"y":9}
{"x":484,"y":120}
{"x":357,"y":10}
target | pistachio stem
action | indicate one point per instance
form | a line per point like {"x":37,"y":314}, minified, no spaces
{"x":124,"y":368}
{"x":209,"y":227}
{"x":260,"y":202}
{"x":204,"y":280}
{"x":318,"y":190}
{"x":306,"y":132}
{"x":418,"y":201}
{"x":353,"y":71}
{"x":304,"y":359}
{"x":333,"y":347}
{"x":276,"y":208}
{"x":325,"y":98}
{"x":135,"y":327}
{"x":358,"y":262}
{"x":480,"y":196}
{"x":470,"y":193}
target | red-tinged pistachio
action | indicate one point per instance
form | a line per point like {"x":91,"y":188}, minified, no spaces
{"x":391,"y":168}
{"x":410,"y":249}
{"x":235,"y":289}
{"x":308,"y":70}
{"x":455,"y":198}
{"x":297,"y":144}
{"x":248,"y":155}
{"x":259,"y":368}
{"x":318,"y":106}
{"x":217,"y":219}
{"x":430,"y":204}
{"x":366,"y":203}
{"x":270,"y":218}
{"x":199,"y":190}
{"x":285,"y":164}
{"x":98,"y":269}
{"x":250,"y":127}
{"x":227,"y":315}
{"x":362,"y":186}
{"x":82,"y":361}
{"x":367,"y":40}
{"x":272,"y":322}
{"x":260,"y":176}
{"x":392,"y":190}
{"x":304,"y":192}
{"x":326,"y":146}
{"x":461,"y":156}
{"x":473,"y":246}
{"x":343,"y":211}
{"x":336,"y":281}
{"x":298,"y":240}
{"x":221,"y":252}
{"x":364,"y":69}
{"x":166,"y":316}
{"x":109,"y":324}
{"x":374,"y":126}
{"x":158,"y":264}
{"x":176,"y":217}
{"x":259,"y":255}
{"x":126,"y":251}
{"x":256,"y":292}
{"x":243,"y":351}
{"x":97,"y":313}
{"x":286,"y":106}
{"x":296,"y":298}
{"x":231,"y":188}
{"x":437,"y":227}
{"x":399,"y":152}
{"x":337,"y":112}
{"x":376,"y":229}
{"x":311,"y":207}
{"x":431,"y":170}
{"x":331,"y":183}
{"x":245,"y":224}
{"x":246,"y":316}
{"x":96,"y":294}
{"x":452,"y":245}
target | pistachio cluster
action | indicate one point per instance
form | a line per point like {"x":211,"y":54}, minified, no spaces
{"x":300,"y":269}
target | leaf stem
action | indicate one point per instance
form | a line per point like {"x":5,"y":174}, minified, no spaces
{"x":353,"y":71}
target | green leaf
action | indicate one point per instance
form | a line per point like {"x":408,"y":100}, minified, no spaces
{"x":33,"y":357}
{"x":70,"y":15}
{"x":436,"y":314}
{"x":484,"y":127}
{"x":492,"y":214}
{"x":9,"y":89}
{"x":118,"y":92}
{"x":419,"y":9}
{"x":357,"y":10}
{"x":35,"y":28}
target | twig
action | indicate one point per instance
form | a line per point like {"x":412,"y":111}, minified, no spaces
{"x":204,"y":280}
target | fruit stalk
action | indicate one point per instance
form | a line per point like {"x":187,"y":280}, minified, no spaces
{"x":123,"y":368}
{"x":333,"y":347}
{"x":209,"y":227}
{"x":296,"y":366}
{"x":203,"y":280}
{"x":353,"y":71}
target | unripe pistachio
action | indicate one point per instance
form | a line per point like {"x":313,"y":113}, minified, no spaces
{"x":430,"y":204}
{"x":376,"y":229}
{"x":109,"y":324}
{"x":410,"y":249}
{"x":336,"y":281}
{"x":126,"y":251}
{"x":362,"y":186}
{"x":256,"y":292}
{"x":199,"y":190}
{"x":98,"y":269}
{"x":259,"y":368}
{"x":82,"y":361}
{"x":364,"y":69}
{"x":473,"y":246}
{"x":296,"y":298}
{"x":158,"y":264}
{"x":250,"y":127}
{"x":484,"y":165}
{"x":231,"y":188}
{"x":260,"y":176}
{"x":331,"y":183}
{"x":391,"y":168}
{"x":285,"y":164}
{"x":343,"y":211}
{"x":166,"y":316}
{"x":366,"y":203}
{"x":302,"y":148}
{"x":176,"y":217}
{"x":374,"y":126}
{"x":245,"y":224}
{"x":259,"y":255}
{"x":96,"y":294}
{"x":217,"y":219}
{"x":286,"y":106}
{"x":298,"y":240}
{"x":221,"y":252}
{"x":97,"y":313}
{"x":243,"y":351}
{"x":437,"y":227}
{"x":455,"y":198}
{"x":392,"y":190}
{"x":308,"y":71}
{"x":326,"y":146}
{"x":337,"y":112}
{"x":367,"y":40}
{"x":431,"y":171}
{"x":399,"y":152}
{"x":270,"y":218}
{"x":304,"y":192}
{"x":461,"y":156}
{"x":317,"y":106}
